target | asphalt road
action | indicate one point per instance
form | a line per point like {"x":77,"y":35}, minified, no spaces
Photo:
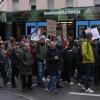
{"x":66,"y":93}
{"x":4,"y":95}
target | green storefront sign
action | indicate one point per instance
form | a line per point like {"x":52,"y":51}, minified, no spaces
{"x":89,"y":13}
{"x":68,"y":14}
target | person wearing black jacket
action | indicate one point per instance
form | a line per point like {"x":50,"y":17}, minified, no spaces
{"x":77,"y":58}
{"x":3,"y":64}
{"x":53,"y":59}
{"x":60,"y":49}
{"x":96,"y":47}
{"x":25,"y":66}
{"x":67,"y":64}
{"x":14,"y":64}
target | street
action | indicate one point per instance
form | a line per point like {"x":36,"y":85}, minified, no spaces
{"x":66,"y":93}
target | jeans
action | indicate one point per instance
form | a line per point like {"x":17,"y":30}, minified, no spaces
{"x":58,"y":76}
{"x":9,"y":69}
{"x":40,"y":71}
{"x":54,"y":78}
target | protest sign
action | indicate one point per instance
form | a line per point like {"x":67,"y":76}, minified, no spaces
{"x":95,"y":33}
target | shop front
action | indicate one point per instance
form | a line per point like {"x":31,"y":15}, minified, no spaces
{"x":89,"y":19}
{"x":70,"y":21}
{"x":65,"y":21}
{"x":82,"y":25}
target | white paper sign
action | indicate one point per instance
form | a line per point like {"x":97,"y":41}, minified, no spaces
{"x":95,"y":33}
{"x":35,"y":37}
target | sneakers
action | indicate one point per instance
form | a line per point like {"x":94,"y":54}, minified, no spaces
{"x":47,"y":79}
{"x":65,"y":82}
{"x":71,"y":83}
{"x":47,"y":90}
{"x":54,"y":92}
{"x":79,"y":84}
{"x":51,"y":91}
{"x":89,"y":90}
{"x":9,"y":83}
{"x":44,"y":79}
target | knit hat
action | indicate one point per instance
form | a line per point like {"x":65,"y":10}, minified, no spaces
{"x":42,"y":37}
{"x":89,"y":34}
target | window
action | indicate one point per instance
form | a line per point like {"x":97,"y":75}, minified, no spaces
{"x":33,"y":7}
{"x":15,"y":5}
{"x":69,"y":3}
{"x":33,"y":4}
{"x":50,"y":4}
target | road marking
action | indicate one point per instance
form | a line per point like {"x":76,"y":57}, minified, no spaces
{"x":17,"y":94}
{"x":84,"y":94}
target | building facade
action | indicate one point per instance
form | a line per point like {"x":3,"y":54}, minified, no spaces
{"x":20,"y":5}
{"x":20,"y":16}
{"x":17,"y":5}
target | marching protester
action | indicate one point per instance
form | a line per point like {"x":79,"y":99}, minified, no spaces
{"x":9,"y":45}
{"x":25,"y":66}
{"x":3,"y":63}
{"x":87,"y":61}
{"x":67,"y":64}
{"x":51,"y":62}
{"x":95,"y":45}
{"x":41,"y":59}
{"x":53,"y":59}
{"x":1,"y":41}
{"x":77,"y":54}
{"x":33,"y":53}
{"x":14,"y":64}
{"x":60,"y":49}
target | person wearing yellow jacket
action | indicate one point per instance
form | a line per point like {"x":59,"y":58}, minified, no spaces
{"x":87,"y":60}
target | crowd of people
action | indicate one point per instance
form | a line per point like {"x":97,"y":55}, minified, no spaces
{"x":59,"y":62}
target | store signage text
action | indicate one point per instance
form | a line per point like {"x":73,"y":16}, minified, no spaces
{"x":63,"y":12}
